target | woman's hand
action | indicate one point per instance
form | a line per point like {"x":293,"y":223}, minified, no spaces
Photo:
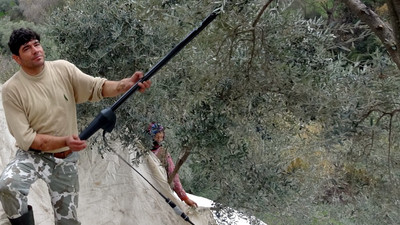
{"x":191,"y":203}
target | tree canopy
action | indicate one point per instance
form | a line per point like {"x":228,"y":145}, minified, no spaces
{"x":289,"y":114}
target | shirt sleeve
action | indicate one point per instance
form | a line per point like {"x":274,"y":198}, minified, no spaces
{"x":86,"y":87}
{"x":16,"y":117}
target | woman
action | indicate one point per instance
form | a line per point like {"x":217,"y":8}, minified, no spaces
{"x":157,"y":133}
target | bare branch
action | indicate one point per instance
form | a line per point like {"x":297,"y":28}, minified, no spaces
{"x":179,"y":163}
{"x":261,"y":12}
{"x":394,"y":13}
{"x":383,"y":30}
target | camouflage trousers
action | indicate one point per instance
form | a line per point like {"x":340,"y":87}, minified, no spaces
{"x":60,"y":175}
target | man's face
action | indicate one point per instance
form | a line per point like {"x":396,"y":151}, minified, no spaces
{"x":31,"y":56}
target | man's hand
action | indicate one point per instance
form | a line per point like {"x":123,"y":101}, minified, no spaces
{"x":114,"y":88}
{"x":74,"y":143}
{"x":135,"y":78}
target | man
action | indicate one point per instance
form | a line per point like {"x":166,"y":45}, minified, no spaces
{"x":40,"y":107}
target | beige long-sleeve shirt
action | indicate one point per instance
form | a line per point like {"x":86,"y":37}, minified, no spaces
{"x":46,"y":103}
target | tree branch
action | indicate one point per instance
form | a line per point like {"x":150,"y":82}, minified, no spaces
{"x":384,"y":31}
{"x":261,"y":12}
{"x":394,"y":13}
{"x":179,"y":163}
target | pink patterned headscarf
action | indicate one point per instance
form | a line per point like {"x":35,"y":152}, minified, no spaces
{"x":154,"y":128}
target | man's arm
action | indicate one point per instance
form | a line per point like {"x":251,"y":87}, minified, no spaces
{"x":47,"y":143}
{"x":115,"y":88}
{"x":110,"y":89}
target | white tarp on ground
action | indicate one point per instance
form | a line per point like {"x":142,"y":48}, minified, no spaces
{"x":111,"y":193}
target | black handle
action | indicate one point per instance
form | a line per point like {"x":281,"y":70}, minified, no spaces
{"x":106,"y":120}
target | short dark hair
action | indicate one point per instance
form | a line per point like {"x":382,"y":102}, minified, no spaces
{"x":20,"y":37}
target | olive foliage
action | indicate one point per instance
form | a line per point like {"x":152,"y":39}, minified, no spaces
{"x":278,"y":121}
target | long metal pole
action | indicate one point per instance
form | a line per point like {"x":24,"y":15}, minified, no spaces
{"x":165,"y":60}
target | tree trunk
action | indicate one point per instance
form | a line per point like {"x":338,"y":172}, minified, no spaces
{"x":387,"y":33}
{"x":179,"y":163}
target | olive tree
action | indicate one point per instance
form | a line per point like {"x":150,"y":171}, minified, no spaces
{"x":270,"y":113}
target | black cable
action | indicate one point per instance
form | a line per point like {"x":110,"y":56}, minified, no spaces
{"x":176,"y":209}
